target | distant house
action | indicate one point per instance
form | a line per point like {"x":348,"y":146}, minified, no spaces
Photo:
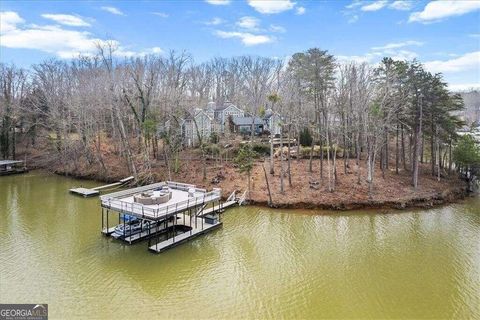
{"x":243,"y":125}
{"x":198,"y":125}
{"x":273,"y":122}
{"x":223,"y":112}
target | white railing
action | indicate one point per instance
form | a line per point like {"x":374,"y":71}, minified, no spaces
{"x":130,"y":192}
{"x":231,"y":196}
{"x":242,"y":198}
{"x":144,"y":211}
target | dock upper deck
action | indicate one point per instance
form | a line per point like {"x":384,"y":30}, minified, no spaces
{"x":123,"y":201}
{"x":10,"y":162}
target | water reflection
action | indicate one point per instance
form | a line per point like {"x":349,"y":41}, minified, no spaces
{"x":261,"y":264}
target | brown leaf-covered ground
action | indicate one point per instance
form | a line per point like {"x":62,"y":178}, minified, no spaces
{"x":390,"y":191}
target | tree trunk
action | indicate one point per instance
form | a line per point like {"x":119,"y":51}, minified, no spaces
{"x":432,"y":148}
{"x":288,"y":159}
{"x":397,"y":155}
{"x":358,"y":157}
{"x":450,"y":156}
{"x":270,"y":202}
{"x":272,"y":169}
{"x":417,"y":147}
{"x":282,"y":173}
{"x":404,"y":158}
{"x":310,"y":169}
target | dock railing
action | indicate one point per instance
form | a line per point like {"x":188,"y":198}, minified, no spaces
{"x":138,"y":209}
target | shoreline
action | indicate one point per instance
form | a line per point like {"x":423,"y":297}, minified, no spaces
{"x":452,"y":194}
{"x":450,"y":197}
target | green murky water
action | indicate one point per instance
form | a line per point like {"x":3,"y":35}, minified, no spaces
{"x":261,"y":264}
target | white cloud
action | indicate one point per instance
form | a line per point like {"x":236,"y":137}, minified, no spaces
{"x":218,"y":2}
{"x":435,"y":11}
{"x":358,"y":59}
{"x":215,"y":21}
{"x":374,"y":6}
{"x":271,"y":6}
{"x":275,"y":28}
{"x":401,"y":5}
{"x":9,"y":21}
{"x":468,"y":61}
{"x":113,"y":10}
{"x":15,"y":33}
{"x":161,"y":14}
{"x":247,"y":39}
{"x":396,"y":45}
{"x":464,"y":86}
{"x":393,"y":50}
{"x":300,"y":10}
{"x":400,"y":54}
{"x":249,"y":23}
{"x":354,"y":4}
{"x":67,"y":19}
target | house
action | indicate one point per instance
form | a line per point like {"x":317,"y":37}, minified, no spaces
{"x":212,"y":119}
{"x":198,"y":125}
{"x":273,"y":122}
{"x":243,"y":125}
{"x":223,"y":112}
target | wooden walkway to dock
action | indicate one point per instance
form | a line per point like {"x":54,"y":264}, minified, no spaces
{"x":86,"y":192}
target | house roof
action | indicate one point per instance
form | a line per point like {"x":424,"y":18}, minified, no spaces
{"x":243,"y":121}
{"x":197,"y":112}
{"x":225,"y":106}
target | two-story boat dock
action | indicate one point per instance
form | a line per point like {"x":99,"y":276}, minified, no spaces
{"x":165,"y":213}
{"x":8,"y":167}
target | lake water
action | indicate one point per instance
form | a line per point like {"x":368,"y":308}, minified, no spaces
{"x":261,"y":264}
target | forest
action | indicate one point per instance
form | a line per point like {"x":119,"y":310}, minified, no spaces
{"x":390,"y":116}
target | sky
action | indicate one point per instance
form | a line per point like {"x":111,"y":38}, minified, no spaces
{"x":444,"y":35}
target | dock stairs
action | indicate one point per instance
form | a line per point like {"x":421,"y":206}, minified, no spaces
{"x":232,"y":200}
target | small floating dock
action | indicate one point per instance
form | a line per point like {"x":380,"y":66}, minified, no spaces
{"x":8,"y":167}
{"x":96,"y":191}
{"x":166,"y":213}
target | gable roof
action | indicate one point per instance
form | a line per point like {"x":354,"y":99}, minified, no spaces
{"x":243,"y":121}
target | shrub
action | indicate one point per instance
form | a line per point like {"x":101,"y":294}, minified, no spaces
{"x":212,"y":149}
{"x":305,"y":137}
{"x":214,"y":137}
{"x":261,"y":149}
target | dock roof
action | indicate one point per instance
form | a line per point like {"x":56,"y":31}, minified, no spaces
{"x":8,"y":162}
{"x":123,"y":201}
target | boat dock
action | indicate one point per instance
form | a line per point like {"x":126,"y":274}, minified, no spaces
{"x":196,"y":229}
{"x":8,"y":167}
{"x":86,"y":192}
{"x":166,"y":213}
